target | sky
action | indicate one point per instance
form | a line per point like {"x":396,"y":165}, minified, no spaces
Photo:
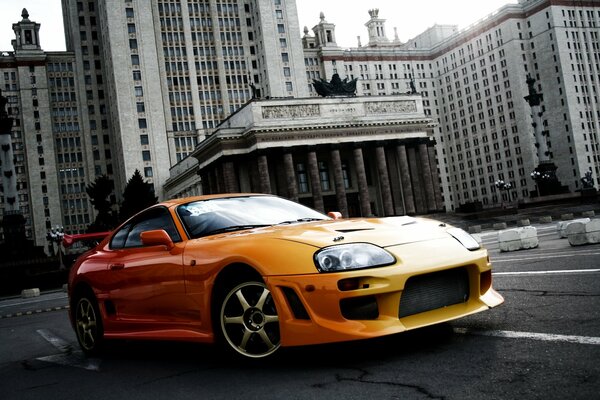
{"x":410,"y":17}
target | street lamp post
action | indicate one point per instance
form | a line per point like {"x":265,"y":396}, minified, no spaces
{"x":503,"y":186}
{"x":55,"y":236}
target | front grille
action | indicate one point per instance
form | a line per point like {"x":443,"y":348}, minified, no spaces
{"x":436,"y":290}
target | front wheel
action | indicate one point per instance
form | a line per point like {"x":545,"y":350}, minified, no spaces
{"x":249,"y":321}
{"x":88,"y":325}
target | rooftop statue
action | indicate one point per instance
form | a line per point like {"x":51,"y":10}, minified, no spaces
{"x":336,"y":87}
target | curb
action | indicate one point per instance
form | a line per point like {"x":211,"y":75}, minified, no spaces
{"x":34,"y":312}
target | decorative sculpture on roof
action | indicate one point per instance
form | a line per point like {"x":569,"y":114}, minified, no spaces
{"x":336,"y":87}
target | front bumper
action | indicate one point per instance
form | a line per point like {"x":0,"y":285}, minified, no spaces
{"x":317,"y":308}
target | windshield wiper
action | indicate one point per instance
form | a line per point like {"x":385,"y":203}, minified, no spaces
{"x":300,"y":220}
{"x":233,"y":228}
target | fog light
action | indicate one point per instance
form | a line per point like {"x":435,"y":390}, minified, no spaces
{"x":348,"y":284}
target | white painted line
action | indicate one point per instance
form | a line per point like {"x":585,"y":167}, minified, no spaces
{"x":543,"y":257}
{"x":555,"y":272}
{"x":68,"y":357}
{"x":75,"y":359}
{"x":547,"y":337}
{"x":54,"y":340}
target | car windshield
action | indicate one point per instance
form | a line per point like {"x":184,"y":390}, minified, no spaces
{"x":209,"y":217}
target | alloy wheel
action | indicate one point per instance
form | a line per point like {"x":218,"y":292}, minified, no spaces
{"x":249,"y":320}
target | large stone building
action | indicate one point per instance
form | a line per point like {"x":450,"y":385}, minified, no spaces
{"x":473,"y":83}
{"x":152,"y":85}
{"x":48,"y":153}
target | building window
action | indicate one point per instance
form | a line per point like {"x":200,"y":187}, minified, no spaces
{"x":324,"y":176}
{"x":135,"y":59}
{"x":282,"y":42}
{"x":137,"y":75}
{"x":144,"y":139}
{"x":280,"y":28}
{"x":146,"y":155}
{"x":346,"y":175}
{"x":285,"y":57}
{"x":140,"y":107}
{"x":148,"y":172}
{"x":289,"y":87}
{"x":302,"y":178}
{"x":139,"y":91}
{"x":142,"y":123}
{"x":132,"y":43}
{"x":129,"y":12}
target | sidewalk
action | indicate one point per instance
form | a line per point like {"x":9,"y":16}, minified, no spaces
{"x":511,"y":216}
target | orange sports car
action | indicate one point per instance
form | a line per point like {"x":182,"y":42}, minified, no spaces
{"x":257,"y":272}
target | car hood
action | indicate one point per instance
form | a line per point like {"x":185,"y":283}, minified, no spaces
{"x":383,"y":232}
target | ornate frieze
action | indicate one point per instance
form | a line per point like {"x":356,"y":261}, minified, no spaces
{"x":391,"y":107}
{"x":291,"y":111}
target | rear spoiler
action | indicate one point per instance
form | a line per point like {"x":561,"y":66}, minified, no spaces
{"x":69,"y":240}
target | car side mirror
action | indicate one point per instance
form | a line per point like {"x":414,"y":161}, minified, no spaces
{"x":157,"y":238}
{"x":334,"y":215}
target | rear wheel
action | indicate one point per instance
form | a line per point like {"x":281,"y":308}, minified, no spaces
{"x":88,"y":324}
{"x":248,"y":320}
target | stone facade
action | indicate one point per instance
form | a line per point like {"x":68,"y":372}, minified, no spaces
{"x":375,"y":163}
{"x":473,"y":83}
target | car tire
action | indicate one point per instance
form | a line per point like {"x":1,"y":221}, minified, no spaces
{"x":248,"y":323}
{"x":88,"y":325}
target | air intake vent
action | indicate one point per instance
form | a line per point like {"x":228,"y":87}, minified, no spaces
{"x":432,"y":291}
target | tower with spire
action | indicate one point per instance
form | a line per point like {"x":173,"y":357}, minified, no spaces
{"x":376,"y":28}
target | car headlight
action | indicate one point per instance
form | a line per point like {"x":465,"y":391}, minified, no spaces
{"x":464,"y":238}
{"x":352,"y":256}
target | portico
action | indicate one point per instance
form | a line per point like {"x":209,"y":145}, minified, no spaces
{"x":360,"y":156}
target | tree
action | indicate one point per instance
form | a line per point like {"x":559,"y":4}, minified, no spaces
{"x":99,"y":192}
{"x":137,"y":196}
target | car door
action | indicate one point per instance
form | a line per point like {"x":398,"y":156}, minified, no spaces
{"x":147,"y":285}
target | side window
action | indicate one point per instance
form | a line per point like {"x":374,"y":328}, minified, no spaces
{"x":156,"y":218}
{"x":118,"y":240}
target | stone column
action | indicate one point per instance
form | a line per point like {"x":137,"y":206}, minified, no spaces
{"x":315,"y":182}
{"x":230,"y":178}
{"x":407,"y":189}
{"x":340,"y":189}
{"x":384,"y":181}
{"x":363,"y":188}
{"x":263,"y":174}
{"x":417,"y":181}
{"x":426,"y":172}
{"x":290,"y":177}
{"x":436,"y":179}
{"x":205,"y":183}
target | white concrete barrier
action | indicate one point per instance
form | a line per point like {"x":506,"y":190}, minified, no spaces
{"x":584,"y":232}
{"x":561,"y":227}
{"x":499,"y":225}
{"x":518,"y":238}
{"x":592,"y":230}
{"x":27,"y":293}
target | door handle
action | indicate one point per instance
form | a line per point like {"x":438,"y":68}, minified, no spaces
{"x":116,"y":266}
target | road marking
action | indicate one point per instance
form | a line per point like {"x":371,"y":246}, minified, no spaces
{"x":67,"y":357}
{"x":543,"y":257}
{"x":55,"y":341}
{"x":558,"y":272}
{"x":31,"y":312}
{"x":546,"y":337}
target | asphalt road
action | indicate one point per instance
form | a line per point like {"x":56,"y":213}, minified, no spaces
{"x":543,"y":343}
